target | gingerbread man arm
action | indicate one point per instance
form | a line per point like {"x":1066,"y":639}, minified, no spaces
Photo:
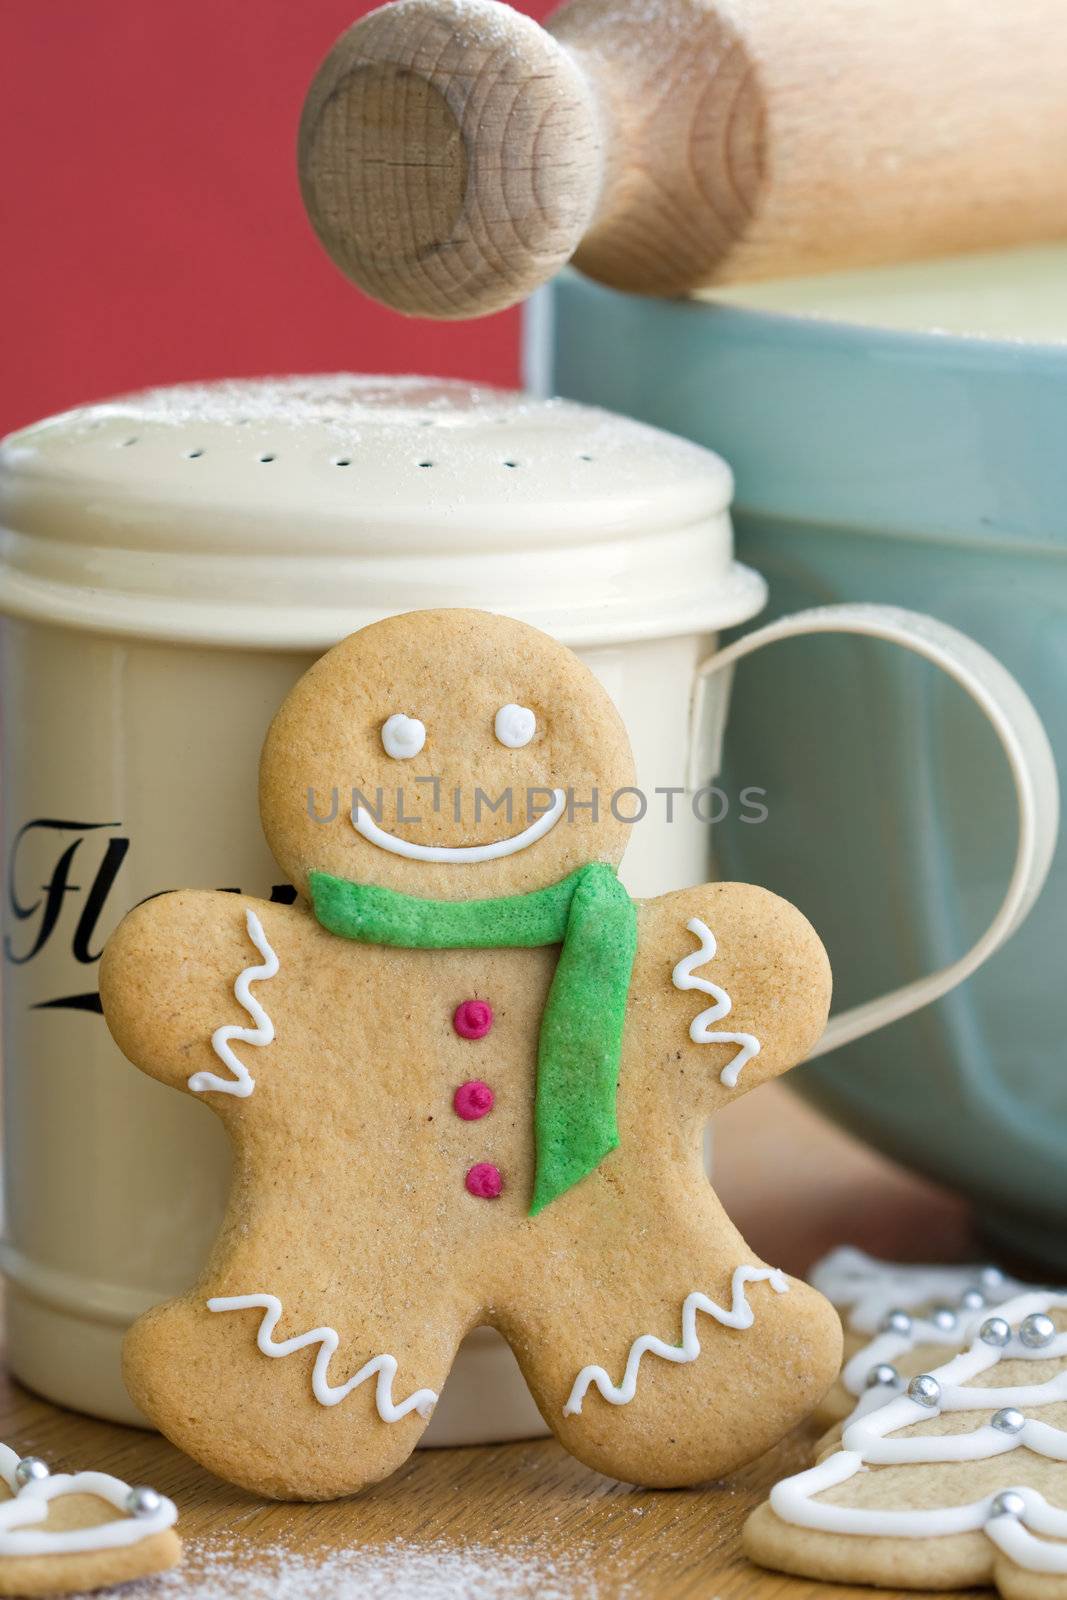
{"x":731,"y":987}
{"x":185,"y":983}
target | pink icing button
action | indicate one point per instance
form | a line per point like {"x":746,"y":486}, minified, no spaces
{"x":484,"y":1181}
{"x":473,"y":1100}
{"x":472,"y":1019}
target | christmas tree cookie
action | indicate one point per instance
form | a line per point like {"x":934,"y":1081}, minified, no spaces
{"x":959,"y":1480}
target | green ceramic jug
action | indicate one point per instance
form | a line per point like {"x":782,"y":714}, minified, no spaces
{"x":911,"y":468}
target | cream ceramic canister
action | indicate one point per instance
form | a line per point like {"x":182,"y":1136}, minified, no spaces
{"x":170,"y":563}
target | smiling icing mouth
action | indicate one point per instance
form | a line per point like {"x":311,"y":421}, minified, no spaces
{"x":365,"y":824}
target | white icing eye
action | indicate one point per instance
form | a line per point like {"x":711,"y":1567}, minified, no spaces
{"x":403,"y":737}
{"x":515,"y":726}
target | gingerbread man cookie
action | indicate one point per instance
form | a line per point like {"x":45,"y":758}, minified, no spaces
{"x":466,"y":1083}
{"x":959,"y":1480}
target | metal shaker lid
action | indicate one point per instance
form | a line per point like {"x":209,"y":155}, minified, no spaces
{"x":287,"y":512}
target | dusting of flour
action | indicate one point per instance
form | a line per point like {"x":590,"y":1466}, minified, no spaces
{"x":233,"y":1570}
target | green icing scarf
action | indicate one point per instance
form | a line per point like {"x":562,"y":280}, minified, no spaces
{"x":590,"y":914}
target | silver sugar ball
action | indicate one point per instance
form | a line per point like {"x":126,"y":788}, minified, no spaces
{"x":896,"y":1322}
{"x":883,"y":1376}
{"x":943,"y":1317}
{"x":924,"y":1389}
{"x":992,"y":1277}
{"x":142,"y":1502}
{"x":1036,"y":1331}
{"x":31,"y":1469}
{"x":1008,"y":1504}
{"x":1008,"y":1420}
{"x":995,"y":1331}
{"x":972,"y":1300}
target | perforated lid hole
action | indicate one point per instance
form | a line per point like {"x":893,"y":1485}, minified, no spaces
{"x":342,"y":461}
{"x":193,"y":455}
{"x":425,"y":463}
{"x":266,"y":458}
{"x":511,"y":463}
{"x":134,"y":440}
{"x":583,"y":457}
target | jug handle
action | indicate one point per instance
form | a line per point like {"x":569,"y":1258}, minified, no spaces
{"x":1022,"y":737}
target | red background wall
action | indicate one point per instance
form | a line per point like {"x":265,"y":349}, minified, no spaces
{"x":153,"y":226}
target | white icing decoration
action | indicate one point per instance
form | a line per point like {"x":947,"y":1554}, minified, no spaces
{"x":19,"y":1537}
{"x":365,"y":824}
{"x":700,"y":1030}
{"x":515,"y":726}
{"x":326,"y":1393}
{"x":739,"y":1315}
{"x":1015,"y":1537}
{"x":403,"y":737}
{"x":888,"y":1347}
{"x":868,"y":1289}
{"x":242,"y":1083}
{"x":866,"y":1441}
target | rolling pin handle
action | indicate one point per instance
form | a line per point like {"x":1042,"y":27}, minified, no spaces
{"x":449,"y":156}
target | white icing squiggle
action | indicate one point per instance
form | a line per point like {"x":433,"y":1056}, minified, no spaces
{"x":700,"y":1030}
{"x":242,"y":1083}
{"x":20,"y":1537}
{"x":866,"y":1442}
{"x":326,"y":1393}
{"x":739,"y":1315}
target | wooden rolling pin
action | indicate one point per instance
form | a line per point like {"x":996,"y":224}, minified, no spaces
{"x":454,"y":154}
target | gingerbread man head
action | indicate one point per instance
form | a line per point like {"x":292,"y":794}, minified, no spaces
{"x":449,"y":753}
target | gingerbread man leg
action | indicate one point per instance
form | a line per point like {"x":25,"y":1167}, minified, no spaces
{"x":675,"y":1355}
{"x":305,"y":1403}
